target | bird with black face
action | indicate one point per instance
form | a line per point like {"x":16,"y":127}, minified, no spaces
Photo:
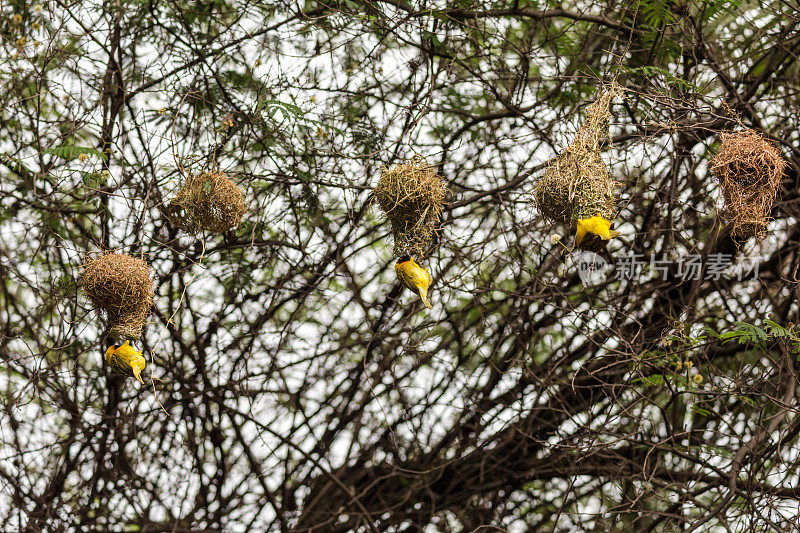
{"x":126,"y":360}
{"x":414,"y":277}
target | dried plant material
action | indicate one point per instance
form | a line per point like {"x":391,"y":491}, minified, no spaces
{"x":750,"y":170}
{"x":210,"y":201}
{"x":411,"y":194}
{"x":576,"y":184}
{"x":122,"y":287}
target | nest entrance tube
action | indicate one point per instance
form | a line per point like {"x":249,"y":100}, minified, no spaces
{"x":750,"y":169}
{"x":122,"y":287}
{"x":411,"y":194}
{"x":576,"y":184}
{"x":210,"y":201}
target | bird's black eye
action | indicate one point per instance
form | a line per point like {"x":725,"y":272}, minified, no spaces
{"x":404,"y":258}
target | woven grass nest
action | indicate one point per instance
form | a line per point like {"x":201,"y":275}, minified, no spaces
{"x":122,"y":287}
{"x":576,"y":184}
{"x":411,"y":194}
{"x":749,"y":169}
{"x":209,"y":201}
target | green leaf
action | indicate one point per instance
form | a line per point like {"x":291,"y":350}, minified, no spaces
{"x":70,"y":152}
{"x":432,"y":37}
{"x":287,"y":110}
{"x":749,"y":401}
{"x":16,"y":165}
{"x":650,"y":381}
{"x":92,"y":180}
{"x":657,"y":12}
{"x":700,"y":411}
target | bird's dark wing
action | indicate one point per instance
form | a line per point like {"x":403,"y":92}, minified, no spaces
{"x":592,"y":243}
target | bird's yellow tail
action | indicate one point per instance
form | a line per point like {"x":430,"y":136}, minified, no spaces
{"x":423,"y":294}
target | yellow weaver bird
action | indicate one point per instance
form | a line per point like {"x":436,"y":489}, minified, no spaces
{"x":126,"y":360}
{"x":414,"y":277}
{"x":594,"y":233}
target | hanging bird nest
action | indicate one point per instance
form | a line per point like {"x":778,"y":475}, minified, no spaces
{"x":576,"y":184}
{"x":210,"y":201}
{"x":122,"y":287}
{"x":750,"y":169}
{"x":411,"y":194}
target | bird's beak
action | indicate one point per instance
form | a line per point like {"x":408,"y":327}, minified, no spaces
{"x":138,"y":375}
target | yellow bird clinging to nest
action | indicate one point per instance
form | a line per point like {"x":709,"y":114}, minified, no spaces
{"x":594,"y":233}
{"x":414,"y":277}
{"x":126,"y":360}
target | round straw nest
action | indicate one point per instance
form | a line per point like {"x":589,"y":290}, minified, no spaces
{"x":411,"y":194}
{"x":210,"y":201}
{"x":122,"y":287}
{"x":750,"y":169}
{"x":576,"y":184}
